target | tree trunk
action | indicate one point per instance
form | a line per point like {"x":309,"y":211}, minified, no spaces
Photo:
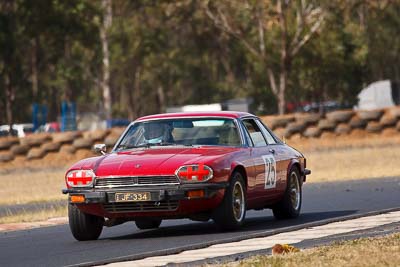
{"x":284,"y":57}
{"x":68,"y":95}
{"x":127,"y":99}
{"x":137,"y":92}
{"x":105,"y":83}
{"x":34,"y":73}
{"x":10,"y":61}
{"x":10,"y":96}
{"x":281,"y":93}
{"x":161,"y":99}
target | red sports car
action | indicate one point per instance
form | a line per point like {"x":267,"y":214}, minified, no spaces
{"x":201,"y":166}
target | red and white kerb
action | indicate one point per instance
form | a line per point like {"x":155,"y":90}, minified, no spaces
{"x":194,"y":173}
{"x":80,"y":178}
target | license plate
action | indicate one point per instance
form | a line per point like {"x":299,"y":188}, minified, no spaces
{"x":132,"y":197}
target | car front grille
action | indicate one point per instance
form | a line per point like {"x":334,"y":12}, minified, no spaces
{"x":111,"y":182}
{"x":141,"y":206}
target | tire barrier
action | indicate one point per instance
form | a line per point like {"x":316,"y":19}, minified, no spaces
{"x":83,"y":143}
{"x":35,"y":140}
{"x":281,"y":121}
{"x":6,"y":156}
{"x":388,"y":120}
{"x":18,"y":149}
{"x":6,"y":144}
{"x":343,"y":128}
{"x":35,"y":153}
{"x":51,"y":147}
{"x":356,"y":124}
{"x":312,"y":132}
{"x":370,"y":115}
{"x":373,"y":127}
{"x":395,"y":112}
{"x":96,"y":135}
{"x":326,"y":125}
{"x":340,"y":115}
{"x":67,"y":149}
{"x":111,"y":140}
{"x":308,"y":118}
{"x":293,"y":128}
{"x":66,"y":137}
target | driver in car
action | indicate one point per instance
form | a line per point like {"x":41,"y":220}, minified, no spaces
{"x":156,"y":133}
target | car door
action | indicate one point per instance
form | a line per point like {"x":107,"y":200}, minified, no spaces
{"x":281,"y":157}
{"x":264,"y":163}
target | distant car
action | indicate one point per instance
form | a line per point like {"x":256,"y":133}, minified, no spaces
{"x":201,"y":166}
{"x":50,"y":127}
{"x":20,"y":130}
{"x":324,"y":107}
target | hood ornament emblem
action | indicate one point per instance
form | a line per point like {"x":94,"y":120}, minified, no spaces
{"x":137,"y":166}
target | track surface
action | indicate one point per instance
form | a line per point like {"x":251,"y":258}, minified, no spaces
{"x":54,"y":246}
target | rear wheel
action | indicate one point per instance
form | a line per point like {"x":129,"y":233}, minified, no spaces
{"x":231,"y":212}
{"x":148,"y":223}
{"x":84,"y":226}
{"x":289,"y":207}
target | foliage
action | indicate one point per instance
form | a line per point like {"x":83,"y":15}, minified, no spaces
{"x":169,"y":53}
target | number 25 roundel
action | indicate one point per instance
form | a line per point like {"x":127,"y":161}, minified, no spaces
{"x":270,"y":171}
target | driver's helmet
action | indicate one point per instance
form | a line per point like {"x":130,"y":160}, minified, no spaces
{"x":155,"y":132}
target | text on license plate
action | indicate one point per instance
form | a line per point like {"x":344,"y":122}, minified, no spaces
{"x":132,"y":196}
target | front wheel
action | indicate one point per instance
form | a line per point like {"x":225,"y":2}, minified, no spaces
{"x":148,"y":223}
{"x":231,"y":213}
{"x":84,"y":226}
{"x":289,"y":207}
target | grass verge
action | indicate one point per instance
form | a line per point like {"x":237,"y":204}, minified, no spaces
{"x":379,"y":251}
{"x":41,"y":215}
{"x":352,"y":164}
{"x":25,"y":187}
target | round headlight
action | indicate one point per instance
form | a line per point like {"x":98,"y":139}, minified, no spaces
{"x":80,"y":178}
{"x":194,"y":173}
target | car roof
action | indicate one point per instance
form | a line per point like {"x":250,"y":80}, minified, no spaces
{"x":225,"y":114}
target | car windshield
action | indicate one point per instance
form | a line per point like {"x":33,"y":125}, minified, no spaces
{"x":209,"y":131}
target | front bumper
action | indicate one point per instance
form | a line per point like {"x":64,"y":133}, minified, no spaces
{"x":164,"y":193}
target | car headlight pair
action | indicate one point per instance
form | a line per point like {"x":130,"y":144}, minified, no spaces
{"x":187,"y":174}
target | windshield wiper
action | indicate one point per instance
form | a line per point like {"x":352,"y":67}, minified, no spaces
{"x":147,"y":145}
{"x":123,"y":147}
{"x":166,"y":144}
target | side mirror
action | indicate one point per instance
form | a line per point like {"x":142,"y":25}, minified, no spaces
{"x":100,"y":148}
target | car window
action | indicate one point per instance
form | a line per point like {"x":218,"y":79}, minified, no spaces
{"x":254,"y":132}
{"x":195,"y":131}
{"x":270,"y":139}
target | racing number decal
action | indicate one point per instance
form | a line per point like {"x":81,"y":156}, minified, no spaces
{"x":270,"y":171}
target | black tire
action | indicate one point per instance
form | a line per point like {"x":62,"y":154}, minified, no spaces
{"x":144,"y":224}
{"x":231,"y":213}
{"x":290,"y":205}
{"x":84,"y":226}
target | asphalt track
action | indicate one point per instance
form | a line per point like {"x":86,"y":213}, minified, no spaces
{"x":54,"y":246}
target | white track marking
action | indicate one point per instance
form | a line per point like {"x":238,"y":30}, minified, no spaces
{"x":267,"y":242}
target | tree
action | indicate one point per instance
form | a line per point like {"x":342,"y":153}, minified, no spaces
{"x":280,"y":26}
{"x":105,"y":82}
